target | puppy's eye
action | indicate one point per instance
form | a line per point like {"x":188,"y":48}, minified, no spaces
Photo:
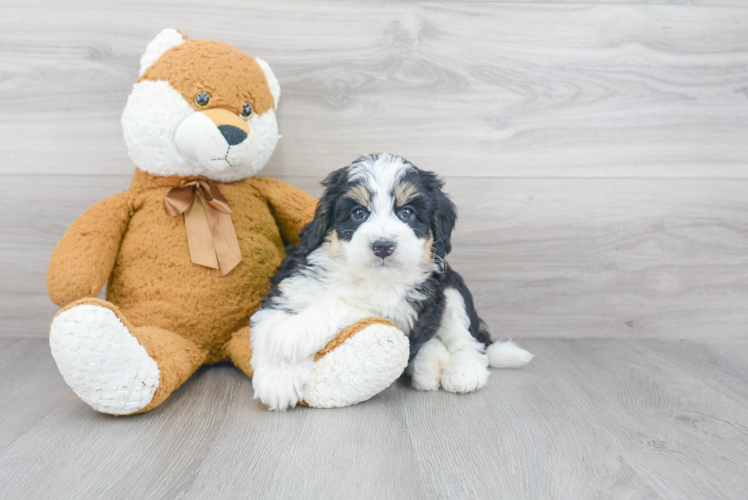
{"x":202,"y":99}
{"x":359,"y":213}
{"x":406,"y":213}
{"x":247,"y":111}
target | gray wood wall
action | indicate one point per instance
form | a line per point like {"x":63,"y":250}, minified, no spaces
{"x":598,"y":152}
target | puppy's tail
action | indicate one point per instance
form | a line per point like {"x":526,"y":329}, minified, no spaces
{"x":507,"y":354}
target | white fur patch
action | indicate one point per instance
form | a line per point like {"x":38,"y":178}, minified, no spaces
{"x":280,"y":384}
{"x":101,"y":361}
{"x":468,"y":365}
{"x":507,"y":355}
{"x":200,"y":141}
{"x":429,"y":364}
{"x":360,"y":368}
{"x":292,"y":337}
{"x":166,"y":136}
{"x":466,"y":372}
{"x":275,"y":89}
{"x":150,"y":119}
{"x":165,"y":40}
{"x":332,"y":280}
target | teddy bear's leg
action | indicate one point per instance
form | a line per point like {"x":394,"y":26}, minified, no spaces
{"x":114,"y":367}
{"x":239,"y":350}
{"x":359,"y":363}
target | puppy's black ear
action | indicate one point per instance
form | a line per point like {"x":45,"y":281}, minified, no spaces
{"x":445,"y":214}
{"x":314,"y":233}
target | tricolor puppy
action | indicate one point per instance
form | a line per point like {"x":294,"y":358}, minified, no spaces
{"x":376,"y":247}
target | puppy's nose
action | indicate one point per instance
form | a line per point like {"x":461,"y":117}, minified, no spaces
{"x":383,"y":248}
{"x":233,"y":135}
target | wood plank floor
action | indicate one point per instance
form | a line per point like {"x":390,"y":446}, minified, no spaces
{"x":585,"y":419}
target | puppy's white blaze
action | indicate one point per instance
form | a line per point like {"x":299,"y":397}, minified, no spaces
{"x":402,"y":265}
{"x":382,"y":174}
{"x":507,"y":355}
{"x":380,"y":178}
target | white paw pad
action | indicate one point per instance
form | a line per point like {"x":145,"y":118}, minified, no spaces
{"x":280,"y":384}
{"x":358,"y":369}
{"x":429,"y":364}
{"x":101,"y":361}
{"x":467,"y":372}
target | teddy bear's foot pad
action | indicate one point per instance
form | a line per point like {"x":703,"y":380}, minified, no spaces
{"x":358,"y":369}
{"x":102,"y":361}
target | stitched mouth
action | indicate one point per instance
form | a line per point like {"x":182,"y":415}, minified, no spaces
{"x":225,"y":158}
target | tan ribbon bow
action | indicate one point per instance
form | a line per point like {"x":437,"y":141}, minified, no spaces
{"x":210,"y":232}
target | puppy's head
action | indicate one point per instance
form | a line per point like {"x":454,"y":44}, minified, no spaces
{"x":382,"y":216}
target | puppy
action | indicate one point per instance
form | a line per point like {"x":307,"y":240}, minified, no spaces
{"x":376,"y":247}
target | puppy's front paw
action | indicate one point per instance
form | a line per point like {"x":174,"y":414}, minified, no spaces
{"x":466,"y":372}
{"x":428,"y":366}
{"x":294,"y":341}
{"x":279,"y":384}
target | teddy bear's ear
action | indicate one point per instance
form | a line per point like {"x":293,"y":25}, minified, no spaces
{"x":272,"y":81}
{"x":165,"y":40}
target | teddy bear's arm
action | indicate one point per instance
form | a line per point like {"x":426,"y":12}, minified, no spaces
{"x":291,"y":207}
{"x":84,"y":257}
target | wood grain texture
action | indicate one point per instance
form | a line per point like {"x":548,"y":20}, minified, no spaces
{"x":465,"y":88}
{"x":592,"y":419}
{"x":586,"y":419}
{"x":706,"y":3}
{"x":718,"y":363}
{"x":545,"y":258}
{"x":596,"y":151}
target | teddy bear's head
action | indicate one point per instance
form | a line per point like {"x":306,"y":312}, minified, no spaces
{"x":201,"y":108}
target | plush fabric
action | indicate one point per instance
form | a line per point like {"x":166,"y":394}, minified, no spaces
{"x":228,"y":76}
{"x":130,"y":240}
{"x":165,"y":316}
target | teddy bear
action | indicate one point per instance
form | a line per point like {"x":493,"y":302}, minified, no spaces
{"x":187,"y":252}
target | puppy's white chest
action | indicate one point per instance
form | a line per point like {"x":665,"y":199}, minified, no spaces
{"x":391,"y":304}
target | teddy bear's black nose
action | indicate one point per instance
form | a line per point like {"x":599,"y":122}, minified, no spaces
{"x":233,"y":135}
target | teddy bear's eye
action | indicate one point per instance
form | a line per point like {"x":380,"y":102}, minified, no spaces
{"x":202,"y":99}
{"x":247,"y":111}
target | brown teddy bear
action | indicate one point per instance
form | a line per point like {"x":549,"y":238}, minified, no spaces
{"x":188,"y":250}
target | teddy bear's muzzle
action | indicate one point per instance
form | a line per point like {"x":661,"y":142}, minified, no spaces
{"x":216,"y":138}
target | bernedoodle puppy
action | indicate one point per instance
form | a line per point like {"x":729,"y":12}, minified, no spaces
{"x":376,"y":247}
